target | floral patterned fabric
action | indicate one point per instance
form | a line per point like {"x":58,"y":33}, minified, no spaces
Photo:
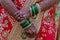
{"x":7,"y":21}
{"x":48,"y":29}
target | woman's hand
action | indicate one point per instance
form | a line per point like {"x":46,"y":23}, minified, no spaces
{"x":22,"y":14}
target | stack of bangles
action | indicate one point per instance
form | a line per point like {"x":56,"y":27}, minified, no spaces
{"x":26,"y":23}
{"x":34,"y":9}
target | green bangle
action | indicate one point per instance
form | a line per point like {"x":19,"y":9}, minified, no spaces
{"x":25,"y":23}
{"x":34,"y":10}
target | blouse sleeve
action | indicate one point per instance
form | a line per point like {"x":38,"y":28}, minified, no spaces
{"x":46,"y":4}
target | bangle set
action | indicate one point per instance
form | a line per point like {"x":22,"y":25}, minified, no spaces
{"x":25,"y":23}
{"x":34,"y":9}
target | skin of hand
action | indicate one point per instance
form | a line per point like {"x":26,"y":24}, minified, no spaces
{"x":23,"y":14}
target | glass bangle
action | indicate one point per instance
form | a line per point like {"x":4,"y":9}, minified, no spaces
{"x":36,"y":9}
{"x":25,"y":23}
{"x":33,"y":11}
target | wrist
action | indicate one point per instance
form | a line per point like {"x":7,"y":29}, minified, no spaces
{"x":28,"y":27}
